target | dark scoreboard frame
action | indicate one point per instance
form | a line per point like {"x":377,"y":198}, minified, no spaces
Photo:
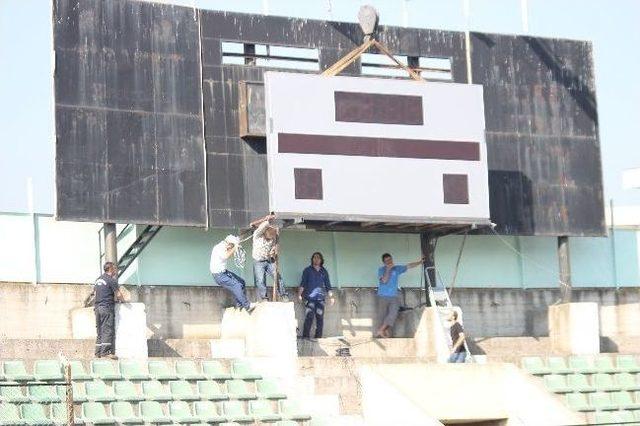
{"x":148,"y":117}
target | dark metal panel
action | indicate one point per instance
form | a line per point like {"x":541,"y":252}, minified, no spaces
{"x":128,"y":93}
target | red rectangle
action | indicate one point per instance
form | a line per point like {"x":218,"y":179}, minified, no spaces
{"x":358,"y":107}
{"x":292,"y":143}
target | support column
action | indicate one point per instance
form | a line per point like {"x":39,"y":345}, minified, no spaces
{"x":110,"y":243}
{"x":564,"y":268}
{"x":428,"y":242}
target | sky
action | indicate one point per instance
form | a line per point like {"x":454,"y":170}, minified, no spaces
{"x":26,"y":83}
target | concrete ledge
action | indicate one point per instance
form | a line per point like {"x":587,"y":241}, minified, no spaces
{"x":574,"y":328}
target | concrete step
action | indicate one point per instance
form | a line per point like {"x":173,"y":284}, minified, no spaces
{"x":358,"y":346}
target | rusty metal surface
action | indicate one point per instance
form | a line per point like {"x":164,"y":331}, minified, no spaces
{"x":128,"y":113}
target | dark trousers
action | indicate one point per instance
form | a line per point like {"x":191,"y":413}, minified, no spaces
{"x":105,"y":330}
{"x":313,"y":308}
{"x":235,"y":285}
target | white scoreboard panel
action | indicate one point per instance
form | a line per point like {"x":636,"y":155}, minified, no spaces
{"x":369,"y":149}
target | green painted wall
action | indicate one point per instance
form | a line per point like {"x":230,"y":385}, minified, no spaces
{"x":68,"y":252}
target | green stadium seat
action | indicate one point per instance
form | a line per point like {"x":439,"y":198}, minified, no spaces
{"x":79,"y":394}
{"x":269,"y":389}
{"x":234,"y":411}
{"x":262,"y":411}
{"x":16,"y":371}
{"x":151,"y":412}
{"x":59,"y":413}
{"x":12,"y":394}
{"x":604,"y":364}
{"x":601,"y":401}
{"x":34,"y":414}
{"x":290,"y":409}
{"x":636,"y":415}
{"x":244,"y":371}
{"x":94,"y":413}
{"x":604,"y":382}
{"x":627,"y":364}
{"x":125,"y":390}
{"x":213,"y":370}
{"x":159,"y":370}
{"x":99,"y":391}
{"x":78,"y":372}
{"x":579,"y":383}
{"x":154,"y":391}
{"x":229,"y":424}
{"x":604,"y":417}
{"x":322,"y":421}
{"x":181,"y":390}
{"x":43,"y":393}
{"x":557,"y":365}
{"x":181,"y":412}
{"x":535,"y":365}
{"x":9,"y":415}
{"x":626,"y":381}
{"x":578,"y":402}
{"x":581,"y":364}
{"x":46,"y":370}
{"x":556,"y":383}
{"x":238,"y":389}
{"x":210,"y":390}
{"x":287,"y":423}
{"x":104,"y":369}
{"x":133,"y":369}
{"x":624,"y":400}
{"x":123,"y":413}
{"x":207,"y":412}
{"x":625,"y":416}
{"x":188,"y":370}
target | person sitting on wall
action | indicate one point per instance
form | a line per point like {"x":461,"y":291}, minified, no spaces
{"x":458,"y":350}
{"x":314,"y":286}
{"x":223,"y":277}
{"x":388,"y":275}
{"x":107,"y":292}
{"x":265,"y":253}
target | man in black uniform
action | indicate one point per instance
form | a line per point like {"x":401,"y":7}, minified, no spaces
{"x":106,"y":292}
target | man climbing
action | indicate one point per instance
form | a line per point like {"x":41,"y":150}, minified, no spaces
{"x":265,"y":253}
{"x":223,"y":277}
{"x":388,"y":275}
{"x":107,"y":292}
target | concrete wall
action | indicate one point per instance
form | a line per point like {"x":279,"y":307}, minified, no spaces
{"x":43,"y":311}
{"x":44,"y":250}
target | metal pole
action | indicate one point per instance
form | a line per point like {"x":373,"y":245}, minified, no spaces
{"x":110,"y":243}
{"x":564,"y":268}
{"x":67,"y":377}
{"x":428,"y":246}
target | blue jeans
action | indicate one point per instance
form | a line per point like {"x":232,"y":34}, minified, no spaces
{"x":260,"y":270}
{"x":313,"y":309}
{"x":457,"y":357}
{"x":235,"y":285}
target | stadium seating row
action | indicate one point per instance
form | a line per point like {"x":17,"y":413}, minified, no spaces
{"x":603,"y":401}
{"x":577,"y":382}
{"x":181,"y":412}
{"x":580,"y":364}
{"x":50,"y":370}
{"x":150,"y":390}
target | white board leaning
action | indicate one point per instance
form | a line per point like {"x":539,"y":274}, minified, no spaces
{"x":369,"y":149}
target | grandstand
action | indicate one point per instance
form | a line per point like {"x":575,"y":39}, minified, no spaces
{"x":177,"y":125}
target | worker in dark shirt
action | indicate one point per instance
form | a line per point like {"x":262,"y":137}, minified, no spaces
{"x":314,"y":286}
{"x":458,"y":350}
{"x":107,"y":293}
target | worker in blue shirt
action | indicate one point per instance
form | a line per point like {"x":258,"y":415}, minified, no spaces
{"x":315,"y":285}
{"x":388,"y":275}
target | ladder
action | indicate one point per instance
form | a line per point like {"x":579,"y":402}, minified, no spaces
{"x":137,"y":246}
{"x":439,"y":299}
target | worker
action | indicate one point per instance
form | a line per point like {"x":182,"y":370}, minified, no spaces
{"x":220,"y":253}
{"x":107,"y":293}
{"x":265,"y":253}
{"x":388,"y":275}
{"x":458,"y":350}
{"x":315,"y":285}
